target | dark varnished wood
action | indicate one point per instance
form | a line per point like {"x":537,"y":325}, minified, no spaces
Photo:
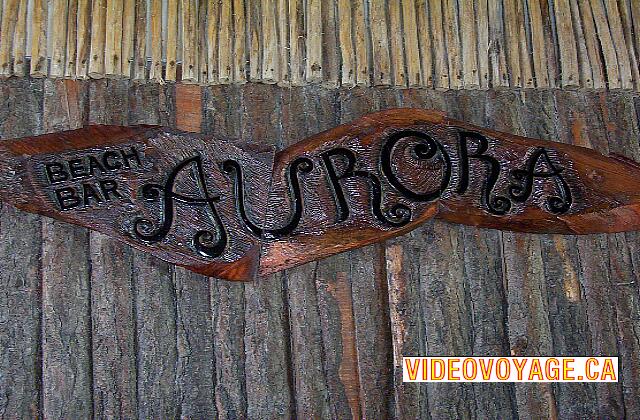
{"x":216,"y":209}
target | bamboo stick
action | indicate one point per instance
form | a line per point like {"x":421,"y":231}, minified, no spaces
{"x":452,"y":36}
{"x":361,"y":44}
{"x":330,"y":45}
{"x":113,"y":38}
{"x":313,"y":14}
{"x":512,"y":42}
{"x":83,"y":44}
{"x":255,"y":39}
{"x":606,"y":44}
{"x":538,"y":44}
{"x":584,"y":65}
{"x":593,"y":49}
{"x":470,"y":76}
{"x":98,"y":35}
{"x":239,"y":38}
{"x":396,"y":50}
{"x":411,"y":45}
{"x":348,"y":59}
{"x":635,"y":15}
{"x":380,"y":42}
{"x":282,"y":9}
{"x":441,"y":66}
{"x":20,"y":41}
{"x":569,"y":73}
{"x":172,"y":40}
{"x":225,"y":44}
{"x":499,"y":72}
{"x":201,"y":44}
{"x":524,"y":47}
{"x":7,"y":29}
{"x":128,"y":36}
{"x":424,"y":39}
{"x":296,"y":42}
{"x":39,"y":39}
{"x":189,"y":41}
{"x":140,"y":52}
{"x":270,"y":53}
{"x":71,"y":36}
{"x":482,"y":22}
{"x":619,"y":43}
{"x":155,"y":71}
{"x":627,"y":26}
{"x":214,"y":46}
{"x":58,"y":38}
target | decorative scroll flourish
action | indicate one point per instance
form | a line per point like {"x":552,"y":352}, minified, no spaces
{"x":222,"y":212}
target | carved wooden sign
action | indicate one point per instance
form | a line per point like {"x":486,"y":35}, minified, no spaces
{"x":210,"y":206}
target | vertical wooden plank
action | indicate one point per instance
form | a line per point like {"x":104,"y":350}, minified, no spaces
{"x":83,"y":39}
{"x":255,"y":42}
{"x":468,"y":37}
{"x":497,"y":46}
{"x":370,"y":297}
{"x":155,"y":71}
{"x":189,"y":107}
{"x":441,"y":67}
{"x":239,"y":38}
{"x":128,"y":37}
{"x":313,"y":25}
{"x":348,"y":59}
{"x":202,"y":40}
{"x":312,"y":396}
{"x":98,"y":38}
{"x":524,"y":47}
{"x":39,"y":39}
{"x":227,"y":298}
{"x":66,"y":300}
{"x":335,"y":305}
{"x":270,"y":52}
{"x":484,"y":281}
{"x":7,"y":29}
{"x":189,"y":41}
{"x":407,"y":327}
{"x":113,"y":310}
{"x":621,"y":121}
{"x":452,"y":37}
{"x":362,"y":43}
{"x":113,"y":38}
{"x":379,"y":43}
{"x":411,"y":44}
{"x":396,"y":49}
{"x":569,"y":325}
{"x":268,"y":375}
{"x":20,"y":270}
{"x":71,"y":36}
{"x":282,"y":9}
{"x":172,"y":40}
{"x":635,"y":17}
{"x":482,"y":21}
{"x":214,"y":45}
{"x":158,"y":355}
{"x":528,"y":323}
{"x":330,"y":45}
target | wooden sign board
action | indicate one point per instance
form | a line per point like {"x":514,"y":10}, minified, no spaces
{"x":207,"y":205}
